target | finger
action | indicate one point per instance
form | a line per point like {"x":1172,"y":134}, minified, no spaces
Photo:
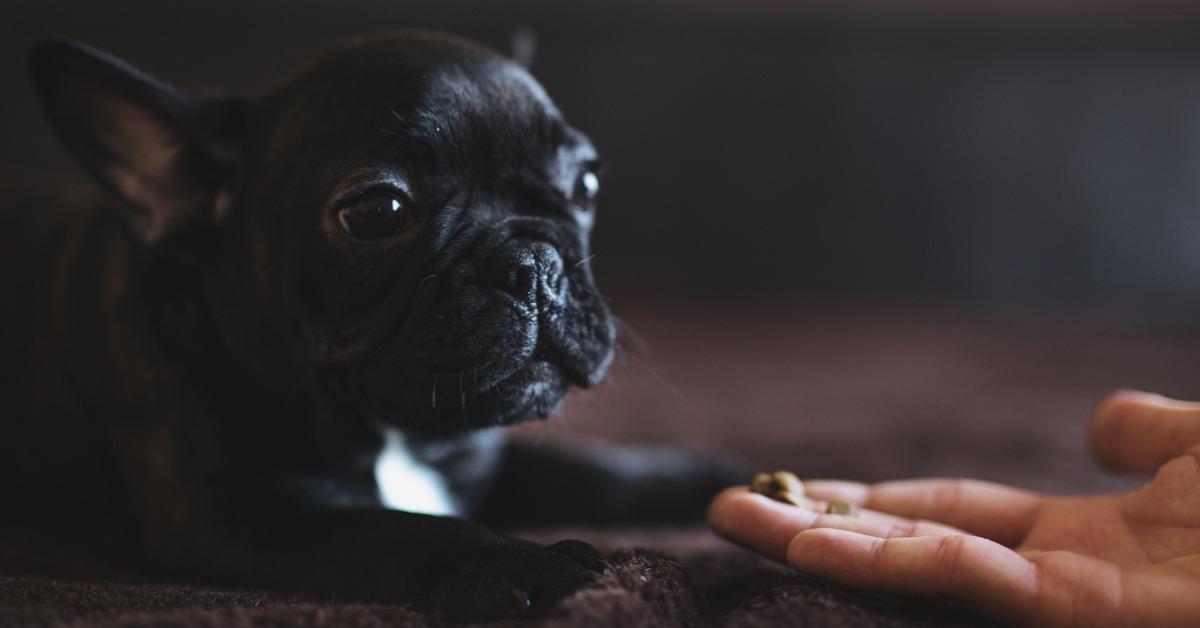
{"x":757,"y":522}
{"x":874,"y":523}
{"x":1139,"y":432}
{"x":853,"y":492}
{"x":1001,"y":513}
{"x":881,"y":526}
{"x":970,"y":569}
{"x":768,"y":526}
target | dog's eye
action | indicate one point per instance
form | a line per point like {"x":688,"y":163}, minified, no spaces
{"x":587,"y":186}
{"x":373,"y":217}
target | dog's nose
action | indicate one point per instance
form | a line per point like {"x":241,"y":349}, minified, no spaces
{"x":529,"y":271}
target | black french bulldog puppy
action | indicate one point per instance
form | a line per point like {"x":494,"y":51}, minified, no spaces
{"x":301,"y":316}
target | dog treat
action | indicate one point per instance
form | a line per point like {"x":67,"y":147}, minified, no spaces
{"x":781,"y":486}
{"x":839,"y":507}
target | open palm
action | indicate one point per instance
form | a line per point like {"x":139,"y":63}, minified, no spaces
{"x":1115,"y":560}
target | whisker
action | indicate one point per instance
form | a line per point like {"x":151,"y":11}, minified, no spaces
{"x":626,"y":331}
{"x":662,"y":380}
{"x":422,"y":282}
{"x":393,"y":110}
{"x":462,"y":396}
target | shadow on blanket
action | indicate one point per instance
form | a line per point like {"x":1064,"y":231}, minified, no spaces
{"x":826,"y":392}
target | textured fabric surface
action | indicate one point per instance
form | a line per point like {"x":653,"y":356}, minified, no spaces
{"x":861,"y":392}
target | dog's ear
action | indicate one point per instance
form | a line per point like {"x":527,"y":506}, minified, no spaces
{"x":168,"y":159}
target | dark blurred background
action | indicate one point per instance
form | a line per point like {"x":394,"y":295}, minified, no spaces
{"x":1004,"y":154}
{"x":891,"y":226}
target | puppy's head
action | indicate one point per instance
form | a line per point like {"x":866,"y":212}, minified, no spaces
{"x":400,"y":233}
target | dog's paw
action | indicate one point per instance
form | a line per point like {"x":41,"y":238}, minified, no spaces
{"x":514,"y":579}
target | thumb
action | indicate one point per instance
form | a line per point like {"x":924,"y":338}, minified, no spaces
{"x":1139,"y":432}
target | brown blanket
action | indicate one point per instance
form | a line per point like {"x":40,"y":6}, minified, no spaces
{"x":860,"y":392}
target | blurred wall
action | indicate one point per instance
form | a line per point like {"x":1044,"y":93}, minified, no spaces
{"x":1007,"y":156}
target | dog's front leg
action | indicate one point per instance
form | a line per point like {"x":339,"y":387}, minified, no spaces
{"x":233,"y":531}
{"x":597,"y":482}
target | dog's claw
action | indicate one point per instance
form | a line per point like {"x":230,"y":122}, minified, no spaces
{"x":583,"y":554}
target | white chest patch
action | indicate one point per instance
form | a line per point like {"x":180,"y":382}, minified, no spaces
{"x":406,"y":484}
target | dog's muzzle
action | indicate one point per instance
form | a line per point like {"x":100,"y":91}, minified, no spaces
{"x":513,"y":321}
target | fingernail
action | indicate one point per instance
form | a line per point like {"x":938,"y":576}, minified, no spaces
{"x":1141,"y":395}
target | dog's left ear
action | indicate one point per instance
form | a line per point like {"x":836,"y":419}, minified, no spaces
{"x":168,"y":158}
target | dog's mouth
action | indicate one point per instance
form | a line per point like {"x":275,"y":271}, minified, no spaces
{"x":534,"y":391}
{"x":457,"y":402}
{"x":511,"y":369}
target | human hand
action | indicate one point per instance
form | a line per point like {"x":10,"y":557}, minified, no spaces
{"x":1115,"y":560}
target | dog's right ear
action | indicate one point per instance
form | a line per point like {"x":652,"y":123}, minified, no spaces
{"x":147,"y":142}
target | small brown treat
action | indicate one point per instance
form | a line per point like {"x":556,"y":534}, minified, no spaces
{"x":781,"y":486}
{"x":839,"y":507}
